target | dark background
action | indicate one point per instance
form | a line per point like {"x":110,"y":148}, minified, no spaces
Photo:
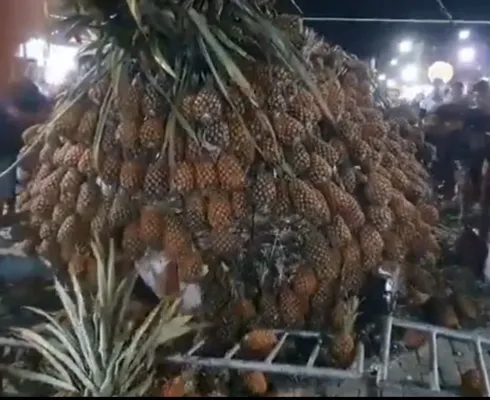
{"x":373,"y":39}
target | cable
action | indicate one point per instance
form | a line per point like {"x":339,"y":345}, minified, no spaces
{"x":399,"y":20}
{"x":444,"y":10}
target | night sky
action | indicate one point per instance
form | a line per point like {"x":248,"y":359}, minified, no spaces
{"x":367,"y":39}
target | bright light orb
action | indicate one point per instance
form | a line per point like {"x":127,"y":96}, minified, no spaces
{"x":440,"y":70}
{"x":466,"y":54}
{"x":405,"y":46}
{"x":394,"y":62}
{"x":391,"y":83}
{"x":410,"y":73}
{"x":464,"y":34}
{"x":382,"y":77}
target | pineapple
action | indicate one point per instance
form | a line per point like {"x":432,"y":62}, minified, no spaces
{"x":206,"y":175}
{"x":305,"y":283}
{"x":207,"y":106}
{"x":122,"y":211}
{"x":132,"y":176}
{"x":190,"y":266}
{"x":230,"y":173}
{"x":182,"y":178}
{"x":175,"y":238}
{"x":220,"y":213}
{"x":378,"y":189}
{"x":73,"y":155}
{"x":320,"y":171}
{"x":260,"y":341}
{"x":288,"y":129}
{"x":224,"y":243}
{"x":308,"y":202}
{"x":343,"y":343}
{"x":88,"y":200}
{"x":380,"y":217}
{"x":255,"y":382}
{"x":239,"y":205}
{"x":338,"y":233}
{"x":353,"y":275}
{"x":151,"y":227}
{"x":429,"y":214}
{"x":215,"y":135}
{"x":291,"y":308}
{"x":156,"y":184}
{"x":152,"y":133}
{"x":371,"y":245}
{"x":195,"y":212}
{"x":86,"y":128}
{"x":324,"y":259}
{"x":132,"y":245}
{"x":472,"y":383}
{"x":109,"y":168}
{"x":300,"y":158}
{"x":264,"y":192}
{"x":324,"y":150}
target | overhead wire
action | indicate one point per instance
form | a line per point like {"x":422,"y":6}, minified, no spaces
{"x":399,"y":20}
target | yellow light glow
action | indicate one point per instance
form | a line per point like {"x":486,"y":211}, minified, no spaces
{"x":440,"y":70}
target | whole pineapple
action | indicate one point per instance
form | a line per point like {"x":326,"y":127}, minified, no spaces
{"x":343,"y":348}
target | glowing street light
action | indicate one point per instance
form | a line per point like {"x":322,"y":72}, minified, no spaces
{"x":410,"y":73}
{"x":393,"y":62}
{"x":391,"y":83}
{"x":382,"y":77}
{"x":464,"y":34}
{"x":466,"y":54}
{"x":405,"y":46}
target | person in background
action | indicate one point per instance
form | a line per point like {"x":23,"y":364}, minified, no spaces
{"x":433,"y":99}
{"x":22,"y":106}
{"x":456,"y":92}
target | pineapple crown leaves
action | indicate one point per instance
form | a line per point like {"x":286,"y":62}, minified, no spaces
{"x":182,"y":41}
{"x":98,"y":353}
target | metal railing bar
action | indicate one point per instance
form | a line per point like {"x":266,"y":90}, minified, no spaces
{"x":196,"y":347}
{"x":386,"y":348}
{"x":276,"y":349}
{"x":230,"y":353}
{"x":302,"y":334}
{"x":314,"y":355}
{"x":419,"y":326}
{"x":435,"y":384}
{"x":482,"y":366}
{"x":361,"y":358}
{"x":283,"y":369}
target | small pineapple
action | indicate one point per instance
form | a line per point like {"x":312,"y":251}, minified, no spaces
{"x":132,"y":176}
{"x":230,"y":173}
{"x":343,"y":344}
{"x":338,"y":232}
{"x":88,"y":200}
{"x":132,"y":245}
{"x":220,"y":213}
{"x":109,"y":168}
{"x":152,"y":133}
{"x":151,"y":227}
{"x":255,"y":382}
{"x":260,"y":341}
{"x":206,"y":175}
{"x":472,"y":383}
{"x":207,"y":106}
{"x":264,"y":192}
{"x":182,"y":178}
{"x":291,"y":308}
{"x":324,"y":259}
{"x":288,"y":129}
{"x":320,"y":171}
{"x":156,"y":184}
{"x":371,"y":245}
{"x":381,"y":217}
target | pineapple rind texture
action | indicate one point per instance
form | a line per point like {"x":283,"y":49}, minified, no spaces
{"x":317,"y":180}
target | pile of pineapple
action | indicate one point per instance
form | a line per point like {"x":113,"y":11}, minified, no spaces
{"x":196,"y":176}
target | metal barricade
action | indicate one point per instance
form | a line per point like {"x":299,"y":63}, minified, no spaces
{"x":434,"y":331}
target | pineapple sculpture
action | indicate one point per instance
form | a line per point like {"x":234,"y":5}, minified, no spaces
{"x":173,"y":155}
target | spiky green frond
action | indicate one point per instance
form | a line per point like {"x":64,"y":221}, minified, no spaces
{"x":99,"y":351}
